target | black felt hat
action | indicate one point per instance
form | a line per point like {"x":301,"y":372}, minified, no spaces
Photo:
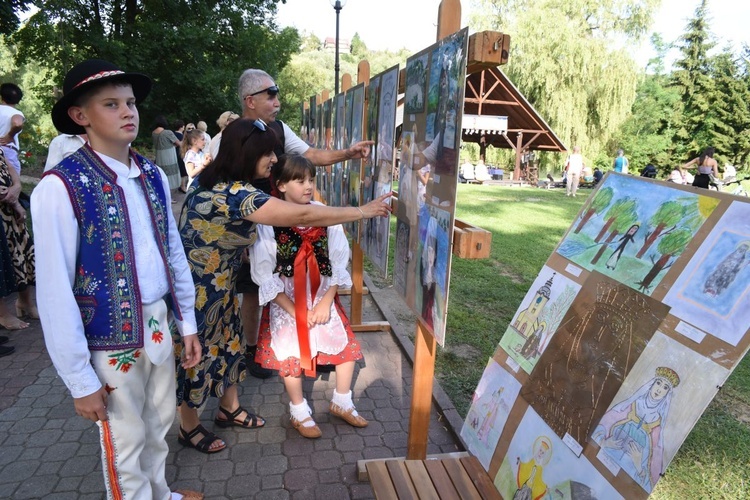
{"x":80,"y":78}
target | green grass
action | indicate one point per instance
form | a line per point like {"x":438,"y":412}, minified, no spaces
{"x":526,"y":225}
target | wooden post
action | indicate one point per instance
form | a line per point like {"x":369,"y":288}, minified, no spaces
{"x":519,"y":153}
{"x":346,"y":82}
{"x":421,"y":397}
{"x":449,"y":18}
{"x":358,"y":259}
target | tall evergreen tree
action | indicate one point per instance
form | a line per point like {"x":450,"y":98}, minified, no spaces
{"x":692,"y":80}
{"x":730,"y":109}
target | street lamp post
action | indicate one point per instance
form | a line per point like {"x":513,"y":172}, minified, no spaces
{"x":337,"y":6}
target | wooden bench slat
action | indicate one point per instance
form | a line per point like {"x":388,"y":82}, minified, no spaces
{"x":461,"y":481}
{"x":440,"y":479}
{"x":380,"y":481}
{"x":401,"y":480}
{"x":421,"y":479}
{"x":480,"y":478}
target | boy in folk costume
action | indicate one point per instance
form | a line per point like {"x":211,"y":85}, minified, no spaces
{"x":114,"y":270}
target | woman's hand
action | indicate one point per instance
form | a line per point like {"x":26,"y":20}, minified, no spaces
{"x":378,"y":207}
{"x":319,"y":314}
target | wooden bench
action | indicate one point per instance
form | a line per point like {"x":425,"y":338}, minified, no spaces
{"x":447,"y":478}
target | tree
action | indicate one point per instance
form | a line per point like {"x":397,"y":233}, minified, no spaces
{"x":565,"y":62}
{"x":9,"y":11}
{"x":693,"y":82}
{"x":668,"y":214}
{"x":189,"y":47}
{"x":621,"y":217}
{"x":602,"y":199}
{"x":729,"y":108}
{"x":670,"y":246}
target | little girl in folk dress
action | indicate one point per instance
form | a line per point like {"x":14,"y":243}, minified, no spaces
{"x":299,"y":270}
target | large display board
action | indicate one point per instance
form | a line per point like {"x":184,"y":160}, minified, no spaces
{"x":433,"y":106}
{"x":633,"y":324}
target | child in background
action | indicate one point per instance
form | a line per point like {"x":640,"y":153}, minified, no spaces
{"x":193,"y":156}
{"x":299,"y":270}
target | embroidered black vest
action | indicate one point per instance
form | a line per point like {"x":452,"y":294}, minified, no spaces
{"x":288,"y":242}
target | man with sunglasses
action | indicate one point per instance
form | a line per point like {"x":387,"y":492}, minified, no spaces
{"x":259,"y":95}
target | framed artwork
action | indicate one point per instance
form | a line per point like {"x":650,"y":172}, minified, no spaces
{"x":634,"y":230}
{"x":416,"y":83}
{"x":492,"y":401}
{"x":538,"y":317}
{"x":312,"y":127}
{"x":713,"y":291}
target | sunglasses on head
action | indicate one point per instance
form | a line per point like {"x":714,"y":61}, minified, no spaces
{"x":272,"y":91}
{"x":259,"y":125}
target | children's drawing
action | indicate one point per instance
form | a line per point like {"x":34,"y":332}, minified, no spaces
{"x":416,"y":81}
{"x":493,"y":398}
{"x":657,"y":406}
{"x":538,"y":317}
{"x":712,"y":291}
{"x":403,"y":278}
{"x":598,"y":341}
{"x":634,"y":230}
{"x":312,"y":125}
{"x":538,"y":465}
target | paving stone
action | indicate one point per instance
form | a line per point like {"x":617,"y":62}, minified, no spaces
{"x":272,"y":465}
{"x":18,"y":471}
{"x":277,"y":494}
{"x":299,"y":479}
{"x":243,"y":486}
{"x":329,"y":476}
{"x":272,"y":482}
{"x":332,"y":492}
{"x":39,"y":487}
{"x":214,"y":471}
{"x":60,"y":451}
{"x":68,"y":484}
{"x":79,"y":465}
{"x":361,"y":491}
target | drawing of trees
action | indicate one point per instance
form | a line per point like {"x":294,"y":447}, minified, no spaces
{"x":620,"y":217}
{"x":668,"y":214}
{"x":621,"y":207}
{"x":671,"y":245}
{"x":602,"y":199}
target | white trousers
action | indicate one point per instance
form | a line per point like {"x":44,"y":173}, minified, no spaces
{"x":141,"y":408}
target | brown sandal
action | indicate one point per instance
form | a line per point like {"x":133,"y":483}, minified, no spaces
{"x":309,"y":432}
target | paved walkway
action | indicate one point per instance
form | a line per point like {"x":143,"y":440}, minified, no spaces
{"x":47,"y":451}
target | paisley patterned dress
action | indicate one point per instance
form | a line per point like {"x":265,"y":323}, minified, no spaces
{"x":214,"y":234}
{"x":17,"y":269}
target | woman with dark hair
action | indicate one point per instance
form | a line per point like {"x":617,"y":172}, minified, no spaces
{"x":164,"y":150}
{"x":178,"y":128}
{"x":217,"y":223}
{"x":707,"y":167}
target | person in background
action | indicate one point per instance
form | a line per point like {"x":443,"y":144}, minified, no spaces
{"x":165,"y":154}
{"x":573,"y":169}
{"x":303,"y":320}
{"x":201,"y":125}
{"x":193,"y":156}
{"x":224,"y":119}
{"x":620,"y":165}
{"x":178,"y":129}
{"x":597,"y":175}
{"x":61,"y":147}
{"x":649,"y":171}
{"x":105,"y":302}
{"x":707,"y":167}
{"x":11,"y":123}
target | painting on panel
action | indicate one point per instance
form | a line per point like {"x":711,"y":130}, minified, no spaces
{"x":403,"y":264}
{"x":312,"y":128}
{"x":538,"y":465}
{"x":320,"y":129}
{"x":538,"y":317}
{"x":368,"y":169}
{"x":416,"y":83}
{"x":339,"y":121}
{"x":599,"y":339}
{"x":493,"y":398}
{"x":327,"y":124}
{"x":433,"y":255}
{"x":355,"y":164}
{"x":634,"y":230}
{"x":712,"y":293}
{"x":658,"y":404}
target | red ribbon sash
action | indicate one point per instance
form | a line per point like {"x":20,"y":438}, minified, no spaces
{"x":304,"y":263}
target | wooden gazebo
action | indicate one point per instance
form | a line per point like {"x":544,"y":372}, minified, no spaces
{"x":489,"y":92}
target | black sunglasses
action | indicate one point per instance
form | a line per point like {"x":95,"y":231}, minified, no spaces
{"x":272,"y":91}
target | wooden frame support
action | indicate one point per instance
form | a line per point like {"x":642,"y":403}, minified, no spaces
{"x":425,"y":347}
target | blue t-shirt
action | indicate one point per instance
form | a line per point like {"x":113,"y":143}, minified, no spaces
{"x":620,"y":162}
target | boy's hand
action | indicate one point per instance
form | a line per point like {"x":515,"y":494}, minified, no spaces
{"x":191,"y":352}
{"x":92,"y":407}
